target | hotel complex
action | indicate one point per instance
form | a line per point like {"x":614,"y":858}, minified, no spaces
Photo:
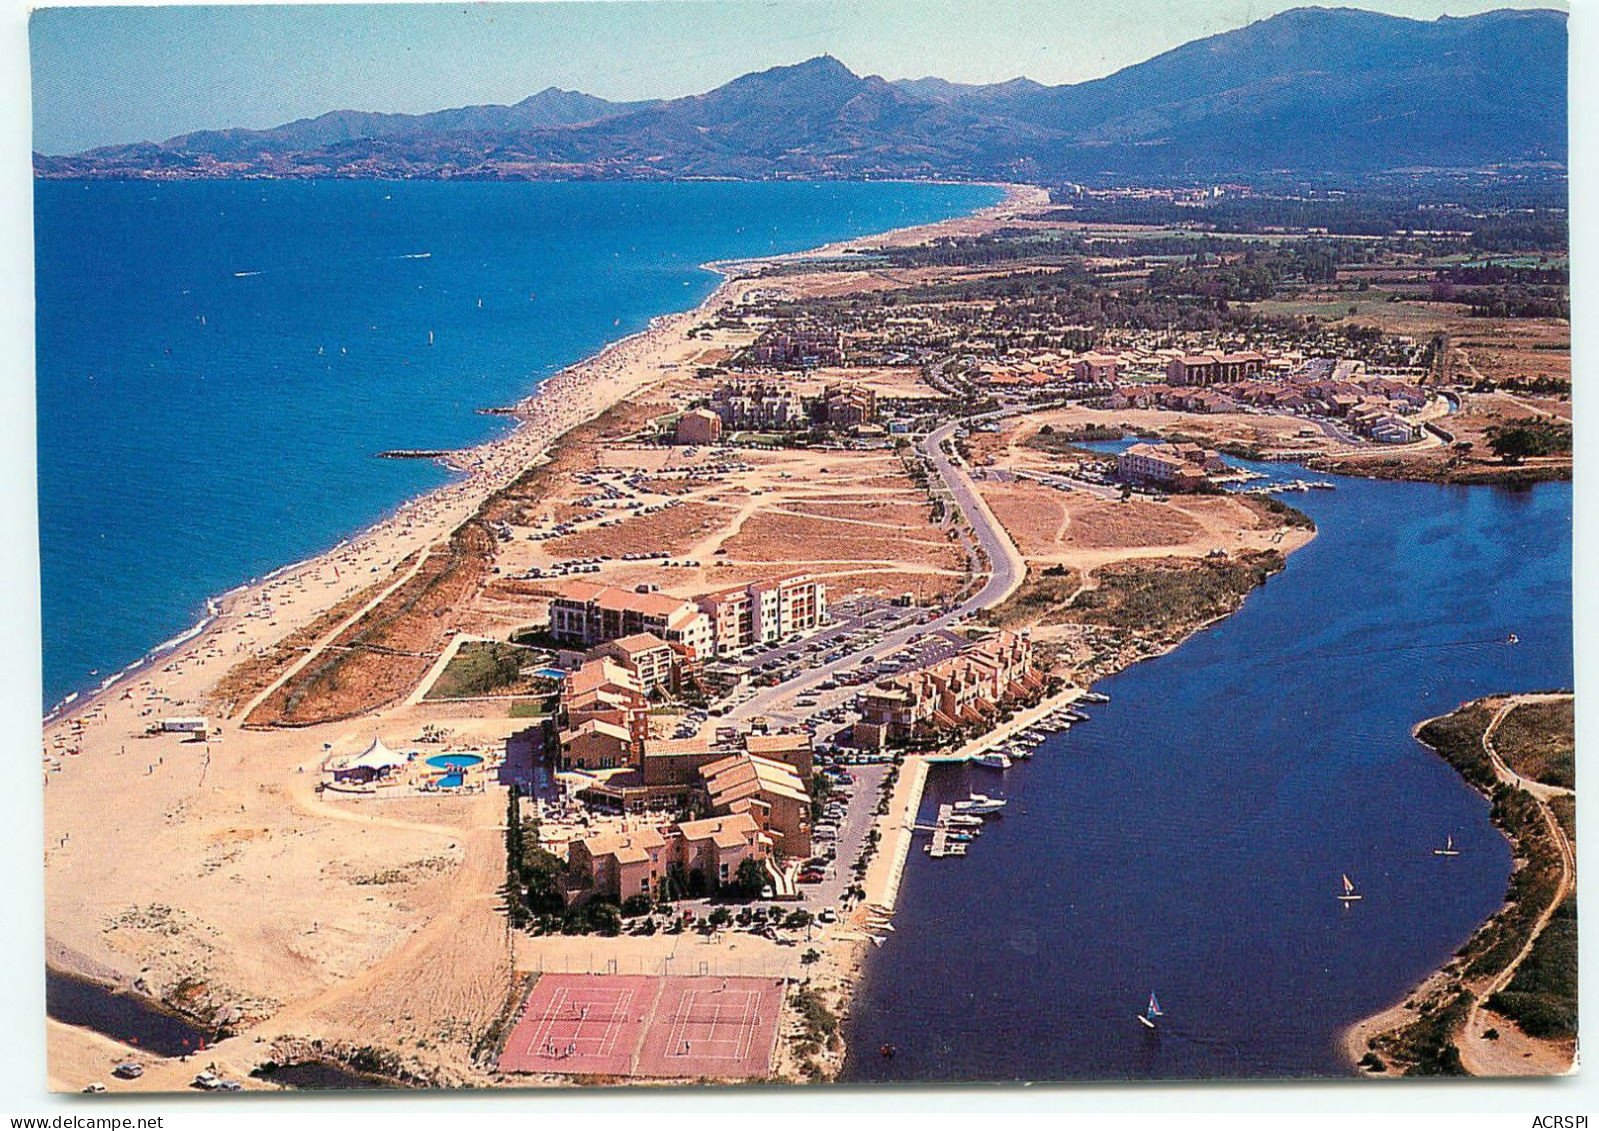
{"x":965,"y":689}
{"x":721,"y":623}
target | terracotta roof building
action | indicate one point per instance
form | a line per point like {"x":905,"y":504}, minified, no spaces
{"x":586,"y":613}
{"x":771,"y":792}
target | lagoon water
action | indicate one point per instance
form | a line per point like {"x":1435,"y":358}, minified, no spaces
{"x":1189,"y":839}
{"x":219,"y":362}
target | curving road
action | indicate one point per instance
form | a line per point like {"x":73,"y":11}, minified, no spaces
{"x":1006,"y":570}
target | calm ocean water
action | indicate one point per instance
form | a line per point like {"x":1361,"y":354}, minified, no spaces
{"x":1189,"y":839}
{"x":218,"y":363}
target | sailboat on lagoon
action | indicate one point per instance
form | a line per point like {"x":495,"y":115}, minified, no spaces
{"x":1448,"y":849}
{"x":1350,"y":894}
{"x":1152,"y":1011}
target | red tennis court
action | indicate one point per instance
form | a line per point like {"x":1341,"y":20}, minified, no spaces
{"x":624,"y":1025}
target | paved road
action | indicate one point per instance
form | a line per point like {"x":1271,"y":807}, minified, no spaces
{"x":1006,"y":571}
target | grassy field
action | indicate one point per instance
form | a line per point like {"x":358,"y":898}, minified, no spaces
{"x":1536,"y":740}
{"x":1173,"y":595}
{"x":1039,"y":594}
{"x":483,"y":668}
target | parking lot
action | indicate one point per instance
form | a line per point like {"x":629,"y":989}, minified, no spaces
{"x":852,"y":826}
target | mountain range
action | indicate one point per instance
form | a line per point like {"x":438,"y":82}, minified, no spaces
{"x":1314,"y":91}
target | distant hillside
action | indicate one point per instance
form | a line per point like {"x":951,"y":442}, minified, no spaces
{"x":1313,"y":90}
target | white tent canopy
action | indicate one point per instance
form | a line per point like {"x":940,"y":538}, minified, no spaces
{"x":376,"y":757}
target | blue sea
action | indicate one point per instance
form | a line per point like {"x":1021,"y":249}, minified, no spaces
{"x":220,"y":362}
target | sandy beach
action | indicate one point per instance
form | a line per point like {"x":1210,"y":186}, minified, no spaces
{"x":221,"y":880}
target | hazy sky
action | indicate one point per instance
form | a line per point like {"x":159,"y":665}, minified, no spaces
{"x":106,"y":75}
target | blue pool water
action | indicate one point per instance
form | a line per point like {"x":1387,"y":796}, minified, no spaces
{"x":219,"y":362}
{"x":456,"y":762}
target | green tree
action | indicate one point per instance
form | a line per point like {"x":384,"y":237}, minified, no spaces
{"x":751,"y":878}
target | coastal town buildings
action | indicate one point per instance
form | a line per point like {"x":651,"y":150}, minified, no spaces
{"x":586,"y":614}
{"x":698,"y":426}
{"x":656,"y":635}
{"x":785,"y":605}
{"x":792,"y":748}
{"x":770,"y":791}
{"x":640,"y":861}
{"x":760,"y":406}
{"x":802,"y":347}
{"x":848,"y":406}
{"x":596,"y":744}
{"x":1214,"y":367}
{"x":964,"y":689}
{"x":1095,"y":368}
{"x":763,"y":612}
{"x":715,"y":847}
{"x":732,"y":616}
{"x":653,"y":661}
{"x":1180,"y":467}
{"x":606,"y":715}
{"x":618,"y":864}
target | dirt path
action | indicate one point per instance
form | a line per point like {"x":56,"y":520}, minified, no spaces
{"x":1513,"y":1053}
{"x":333,"y":634}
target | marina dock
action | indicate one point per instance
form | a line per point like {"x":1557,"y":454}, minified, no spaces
{"x":943,"y":845}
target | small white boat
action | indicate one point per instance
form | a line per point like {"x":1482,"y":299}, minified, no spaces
{"x":1350,"y":894}
{"x":1151,"y":1012}
{"x":993,"y":759}
{"x":980,"y":804}
{"x":1448,"y":849}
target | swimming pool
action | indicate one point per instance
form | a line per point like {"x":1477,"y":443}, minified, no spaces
{"x":454,"y":763}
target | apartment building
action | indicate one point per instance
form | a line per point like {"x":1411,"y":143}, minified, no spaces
{"x":653,"y":661}
{"x":771,"y":792}
{"x":1213,"y":367}
{"x":698,"y":426}
{"x":966,"y":688}
{"x":764,"y":611}
{"x":587,"y":614}
{"x":638,"y":862}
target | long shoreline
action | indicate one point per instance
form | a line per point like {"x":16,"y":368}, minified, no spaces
{"x":1355,"y":1040}
{"x":469,"y":461}
{"x":559,"y":404}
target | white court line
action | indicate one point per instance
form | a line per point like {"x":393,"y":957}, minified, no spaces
{"x":541,"y":1034}
{"x":746,"y":1032}
{"x":613,"y":1027}
{"x":742,"y":1040}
